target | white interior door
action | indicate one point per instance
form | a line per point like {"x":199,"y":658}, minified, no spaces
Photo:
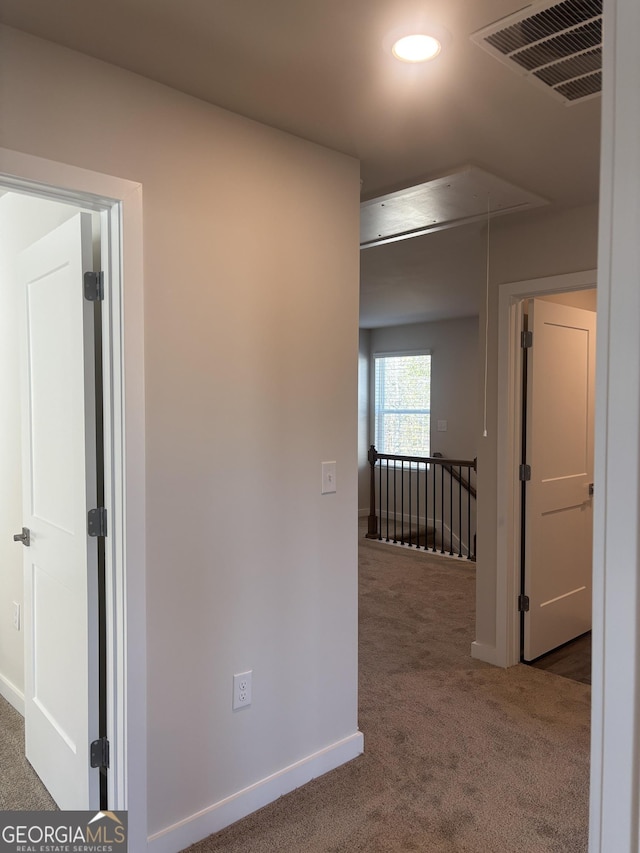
{"x":59,"y":483}
{"x":559,"y":507}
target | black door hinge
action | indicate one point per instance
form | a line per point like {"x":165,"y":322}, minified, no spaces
{"x":94,"y":286}
{"x":526,"y":339}
{"x":100,"y":753}
{"x":524,"y":473}
{"x":523,"y":604}
{"x":97,"y":521}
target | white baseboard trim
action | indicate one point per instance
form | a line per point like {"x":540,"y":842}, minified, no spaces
{"x":224,"y":813}
{"x":486,"y":653}
{"x":363,"y":513}
{"x":435,"y":523}
{"x":12,"y":694}
{"x":461,"y":561}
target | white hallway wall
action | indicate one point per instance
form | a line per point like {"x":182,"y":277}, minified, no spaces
{"x":22,"y":221}
{"x":249,"y":567}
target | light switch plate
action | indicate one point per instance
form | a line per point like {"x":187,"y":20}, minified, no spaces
{"x":328,"y":478}
{"x":442,"y":426}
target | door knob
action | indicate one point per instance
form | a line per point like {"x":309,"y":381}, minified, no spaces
{"x":24,"y":537}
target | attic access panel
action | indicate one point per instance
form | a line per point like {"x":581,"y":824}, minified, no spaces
{"x":465,"y":196}
{"x":557,"y":46}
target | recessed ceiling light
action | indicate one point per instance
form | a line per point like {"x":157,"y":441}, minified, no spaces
{"x":418,"y":47}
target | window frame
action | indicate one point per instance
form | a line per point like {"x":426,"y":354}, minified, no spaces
{"x":374,"y":407}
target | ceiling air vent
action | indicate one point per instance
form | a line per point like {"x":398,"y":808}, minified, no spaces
{"x":555,"y":45}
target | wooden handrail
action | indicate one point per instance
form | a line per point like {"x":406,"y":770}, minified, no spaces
{"x":436,"y":459}
{"x":448,"y":466}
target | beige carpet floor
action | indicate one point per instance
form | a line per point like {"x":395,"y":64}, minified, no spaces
{"x":20,"y":786}
{"x":459,"y":756}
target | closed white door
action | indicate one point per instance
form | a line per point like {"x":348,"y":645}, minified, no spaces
{"x":59,"y":483}
{"x":559,"y":506}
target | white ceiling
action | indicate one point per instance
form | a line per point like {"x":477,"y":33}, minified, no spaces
{"x":317,"y":68}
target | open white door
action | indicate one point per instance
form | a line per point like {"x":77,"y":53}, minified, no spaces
{"x":59,"y":486}
{"x":559,"y":506}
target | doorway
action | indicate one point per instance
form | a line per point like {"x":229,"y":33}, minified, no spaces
{"x":507,"y":652}
{"x":118,"y":204}
{"x":556,"y":470}
{"x":54,"y":661}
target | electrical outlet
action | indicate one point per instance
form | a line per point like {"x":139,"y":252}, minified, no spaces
{"x":16,"y":615}
{"x":242,"y":689}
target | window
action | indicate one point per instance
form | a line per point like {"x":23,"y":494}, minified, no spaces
{"x":403,"y":403}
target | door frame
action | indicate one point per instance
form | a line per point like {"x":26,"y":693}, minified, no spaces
{"x":509,"y":433}
{"x":120,"y":204}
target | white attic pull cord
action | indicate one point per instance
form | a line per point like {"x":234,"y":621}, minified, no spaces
{"x":486,"y":320}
